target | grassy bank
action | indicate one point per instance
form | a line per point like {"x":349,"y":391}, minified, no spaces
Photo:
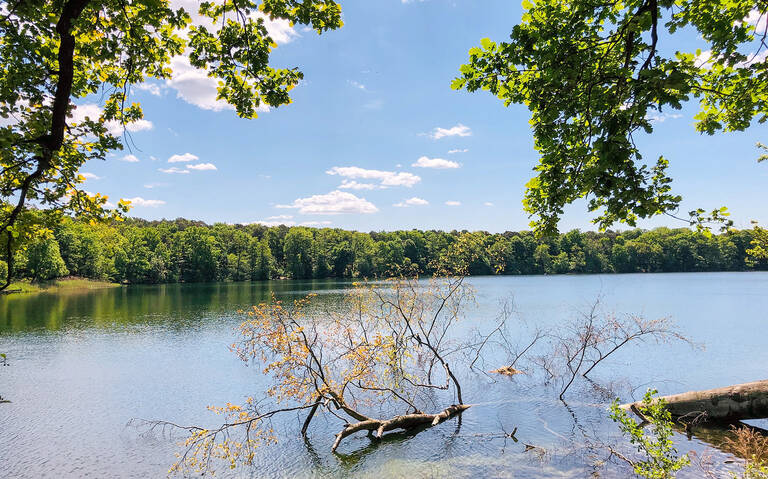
{"x":61,"y":284}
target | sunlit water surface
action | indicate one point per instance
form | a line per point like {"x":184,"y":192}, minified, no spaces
{"x":83,"y":364}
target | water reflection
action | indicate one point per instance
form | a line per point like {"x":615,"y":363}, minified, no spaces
{"x":127,"y":305}
{"x":82,"y":364}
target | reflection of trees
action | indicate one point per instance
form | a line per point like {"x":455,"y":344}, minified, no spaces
{"x":177,"y":305}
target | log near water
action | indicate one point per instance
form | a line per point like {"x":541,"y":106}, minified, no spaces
{"x":407,"y":421}
{"x":727,"y":404}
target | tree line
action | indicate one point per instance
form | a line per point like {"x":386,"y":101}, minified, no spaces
{"x":139,"y":251}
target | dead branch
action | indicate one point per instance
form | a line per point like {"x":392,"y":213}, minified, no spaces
{"x":594,"y":336}
{"x":387,"y":350}
{"x":408,"y":421}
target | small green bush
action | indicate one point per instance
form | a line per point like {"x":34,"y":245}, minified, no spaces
{"x":660,"y":457}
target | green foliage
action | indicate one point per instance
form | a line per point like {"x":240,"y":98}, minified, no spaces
{"x":140,"y":256}
{"x":298,"y":253}
{"x":44,"y":260}
{"x":758,"y":253}
{"x":197,"y":255}
{"x":660,"y":457}
{"x":138,"y":251}
{"x":261,"y":260}
{"x":58,"y":54}
{"x":763,"y":156}
{"x":752,"y":471}
{"x":595,"y":74}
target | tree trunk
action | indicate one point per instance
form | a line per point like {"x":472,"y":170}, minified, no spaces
{"x":399,"y":422}
{"x":727,"y":404}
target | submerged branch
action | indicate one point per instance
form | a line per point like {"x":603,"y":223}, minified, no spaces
{"x":407,"y":421}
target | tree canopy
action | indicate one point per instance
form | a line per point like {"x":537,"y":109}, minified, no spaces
{"x":56,"y":53}
{"x":136,"y":251}
{"x":593,"y":74}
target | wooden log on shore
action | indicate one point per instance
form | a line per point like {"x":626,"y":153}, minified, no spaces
{"x":727,"y":404}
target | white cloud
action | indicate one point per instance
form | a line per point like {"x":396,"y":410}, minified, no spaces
{"x":451,"y":152}
{"x":114,"y":128}
{"x":273,"y":223}
{"x":752,"y":59}
{"x":195,"y":86}
{"x":280,"y":217}
{"x":202,"y":167}
{"x":754,"y":17}
{"x":138,"y":125}
{"x":385,"y":178}
{"x":703,"y":58}
{"x":155,"y":185}
{"x":182,"y":158}
{"x":287,"y":222}
{"x":437,"y":163}
{"x":488,"y":203}
{"x":94,"y":112}
{"x":354,"y":185}
{"x":458,"y":130}
{"x":21,"y":105}
{"x":314,"y":223}
{"x":86,"y":110}
{"x":415,"y":201}
{"x":655,"y":117}
{"x":90,"y":176}
{"x":152,"y":88}
{"x":357,"y":85}
{"x":139,"y":201}
{"x":453,"y":203}
{"x":173,"y":170}
{"x":8,"y":121}
{"x":280,"y":30}
{"x":129,"y":158}
{"x":706,"y":60}
{"x":335,"y":202}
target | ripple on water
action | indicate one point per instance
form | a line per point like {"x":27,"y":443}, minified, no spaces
{"x":82,"y":366}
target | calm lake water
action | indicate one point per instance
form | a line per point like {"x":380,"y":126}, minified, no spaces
{"x":83,"y":364}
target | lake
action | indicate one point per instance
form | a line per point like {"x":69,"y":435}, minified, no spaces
{"x":82,"y":364}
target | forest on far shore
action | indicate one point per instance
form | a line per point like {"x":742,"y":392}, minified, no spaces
{"x":139,"y":251}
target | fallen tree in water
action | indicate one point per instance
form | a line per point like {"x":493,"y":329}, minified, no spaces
{"x":727,"y":404}
{"x":409,"y":421}
{"x":380,"y":361}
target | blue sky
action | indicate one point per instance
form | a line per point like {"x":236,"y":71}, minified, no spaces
{"x":359,"y":146}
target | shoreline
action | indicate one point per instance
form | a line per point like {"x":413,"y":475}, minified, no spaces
{"x":85,"y":284}
{"x":57,"y":285}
